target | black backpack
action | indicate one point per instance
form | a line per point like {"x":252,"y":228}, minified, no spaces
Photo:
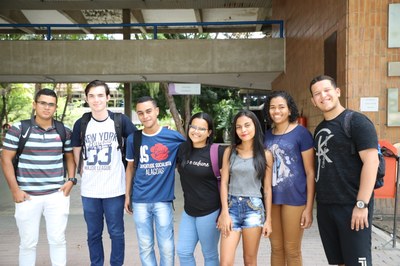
{"x":26,"y":126}
{"x":118,"y":130}
{"x":382,"y":164}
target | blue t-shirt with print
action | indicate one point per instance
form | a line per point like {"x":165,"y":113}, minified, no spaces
{"x":289,"y":181}
{"x":155,"y":174}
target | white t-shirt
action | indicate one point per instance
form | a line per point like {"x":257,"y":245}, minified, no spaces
{"x":103,"y":172}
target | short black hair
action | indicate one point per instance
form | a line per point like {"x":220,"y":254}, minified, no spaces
{"x":147,"y":99}
{"x":97,"y":83}
{"x":47,"y":92}
{"x":320,"y":78}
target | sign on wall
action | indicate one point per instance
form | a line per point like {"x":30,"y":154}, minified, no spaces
{"x":369,"y":104}
{"x":184,"y":88}
{"x":394,"y":29}
{"x":393,"y":113}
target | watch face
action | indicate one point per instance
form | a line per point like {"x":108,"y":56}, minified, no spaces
{"x":360,"y":204}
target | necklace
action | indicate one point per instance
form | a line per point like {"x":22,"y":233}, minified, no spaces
{"x":279,"y":137}
{"x":283,"y":131}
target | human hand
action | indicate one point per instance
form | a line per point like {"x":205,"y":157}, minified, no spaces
{"x":306,"y":219}
{"x":359,"y":219}
{"x":127,"y":205}
{"x":267,"y":229}
{"x":224,"y":224}
{"x":20,"y":196}
{"x":66,"y":188}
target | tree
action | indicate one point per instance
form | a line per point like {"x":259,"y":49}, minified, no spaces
{"x":16,"y":102}
{"x":208,"y":101}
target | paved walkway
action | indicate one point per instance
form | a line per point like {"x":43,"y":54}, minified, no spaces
{"x":313,"y":253}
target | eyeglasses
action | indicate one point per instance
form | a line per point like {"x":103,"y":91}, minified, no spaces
{"x":200,"y":129}
{"x":44,"y":104}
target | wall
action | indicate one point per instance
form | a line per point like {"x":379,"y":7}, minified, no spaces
{"x":362,"y":53}
{"x":367,"y":61}
{"x":307,"y":24}
{"x":362,"y":57}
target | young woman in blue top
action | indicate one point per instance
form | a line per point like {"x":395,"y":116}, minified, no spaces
{"x":246,"y":174}
{"x":200,"y":193}
{"x":293,"y":175}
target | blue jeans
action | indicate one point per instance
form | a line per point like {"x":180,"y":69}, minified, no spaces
{"x":160,"y":215}
{"x":195,"y":229}
{"x":94,"y":211}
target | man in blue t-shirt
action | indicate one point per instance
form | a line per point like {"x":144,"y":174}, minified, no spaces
{"x":150,"y":186}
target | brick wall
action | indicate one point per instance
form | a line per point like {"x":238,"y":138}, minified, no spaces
{"x":362,"y":57}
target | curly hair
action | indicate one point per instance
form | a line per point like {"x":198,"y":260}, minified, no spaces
{"x":294,"y":112}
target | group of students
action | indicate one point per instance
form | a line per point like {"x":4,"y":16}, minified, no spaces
{"x":267,"y":186}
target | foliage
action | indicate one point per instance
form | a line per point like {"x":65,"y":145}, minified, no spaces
{"x":18,"y":103}
{"x":208,"y":101}
{"x":226,"y":110}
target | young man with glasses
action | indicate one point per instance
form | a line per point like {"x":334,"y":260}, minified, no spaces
{"x":38,"y":186}
{"x":103,"y":174}
{"x":150,"y":186}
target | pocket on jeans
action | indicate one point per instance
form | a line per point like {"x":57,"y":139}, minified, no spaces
{"x":255,"y":203}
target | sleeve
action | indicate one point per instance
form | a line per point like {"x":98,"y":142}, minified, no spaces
{"x":130,"y":153}
{"x":306,"y":140}
{"x":127,"y":126}
{"x":11,"y":139}
{"x":363,"y":132}
{"x":76,"y":138}
{"x":181,"y":138}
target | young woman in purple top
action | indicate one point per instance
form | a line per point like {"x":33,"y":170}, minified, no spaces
{"x":293,"y":186}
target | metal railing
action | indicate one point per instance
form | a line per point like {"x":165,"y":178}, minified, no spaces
{"x":155,"y":26}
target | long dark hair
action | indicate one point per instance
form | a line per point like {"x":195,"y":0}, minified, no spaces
{"x":188,"y":144}
{"x":259,"y":160}
{"x":294,"y":112}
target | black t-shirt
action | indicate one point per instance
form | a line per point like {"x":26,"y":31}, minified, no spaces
{"x":338,"y":170}
{"x":199,"y":184}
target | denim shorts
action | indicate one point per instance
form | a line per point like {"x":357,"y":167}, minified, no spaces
{"x":246,"y":212}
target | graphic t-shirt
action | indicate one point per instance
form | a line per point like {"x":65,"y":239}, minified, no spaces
{"x":155,"y":174}
{"x":289,"y":181}
{"x":103,"y":170}
{"x":338,"y":170}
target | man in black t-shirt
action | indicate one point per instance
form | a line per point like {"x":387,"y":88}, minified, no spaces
{"x":344,"y":179}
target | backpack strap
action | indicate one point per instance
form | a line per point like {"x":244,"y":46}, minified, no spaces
{"x":23,"y":138}
{"x":118,"y":129}
{"x":84,"y":123}
{"x":137,"y":142}
{"x":60,"y":128}
{"x":347,"y":128}
{"x":214,"y":160}
{"x":347,"y":123}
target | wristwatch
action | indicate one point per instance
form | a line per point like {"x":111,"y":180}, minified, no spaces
{"x":361,"y":204}
{"x":73,"y":180}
